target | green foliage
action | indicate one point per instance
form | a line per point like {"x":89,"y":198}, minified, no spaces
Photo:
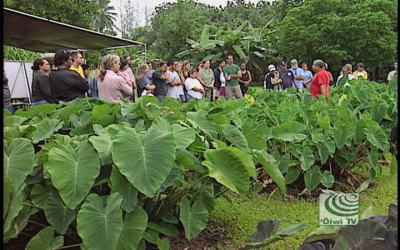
{"x":323,"y":29}
{"x":78,"y":13}
{"x":12,"y":53}
{"x":132,"y":157}
{"x":104,"y":17}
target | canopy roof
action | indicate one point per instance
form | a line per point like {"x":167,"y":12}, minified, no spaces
{"x":38,"y":34}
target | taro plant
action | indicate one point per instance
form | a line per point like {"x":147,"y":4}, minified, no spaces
{"x":267,"y":233}
{"x":107,"y":177}
{"x":151,"y":169}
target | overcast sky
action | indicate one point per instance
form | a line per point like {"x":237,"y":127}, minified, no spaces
{"x":153,"y":3}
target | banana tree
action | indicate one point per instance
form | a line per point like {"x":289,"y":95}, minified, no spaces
{"x":248,"y":44}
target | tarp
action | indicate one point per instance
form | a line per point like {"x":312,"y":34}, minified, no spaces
{"x":38,"y":34}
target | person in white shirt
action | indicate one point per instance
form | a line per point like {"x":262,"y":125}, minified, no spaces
{"x":392,"y":73}
{"x":174,"y":81}
{"x":193,"y":86}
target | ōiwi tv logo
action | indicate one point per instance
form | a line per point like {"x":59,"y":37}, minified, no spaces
{"x":339,"y":209}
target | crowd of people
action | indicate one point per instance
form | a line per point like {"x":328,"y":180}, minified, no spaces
{"x":66,"y":77}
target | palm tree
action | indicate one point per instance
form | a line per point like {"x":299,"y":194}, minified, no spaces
{"x":104,"y":17}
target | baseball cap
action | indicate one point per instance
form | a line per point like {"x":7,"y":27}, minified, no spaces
{"x":283,"y":63}
{"x":271,"y":67}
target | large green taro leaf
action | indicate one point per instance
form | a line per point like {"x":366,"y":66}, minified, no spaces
{"x":351,"y":236}
{"x":105,"y":114}
{"x":145,"y":160}
{"x":323,"y":152}
{"x":376,"y":136}
{"x":255,"y":140}
{"x":46,"y":128}
{"x":15,"y":196}
{"x":20,"y":223}
{"x":135,"y":223}
{"x":8,"y":188}
{"x":103,"y":145}
{"x":45,"y":240}
{"x":57,"y":213}
{"x":313,"y":177}
{"x":228,"y":169}
{"x":306,"y":158}
{"x":183,"y":136}
{"x":18,"y":159}
{"x":289,"y":131}
{"x":46,"y":108}
{"x":100,"y":223}
{"x":379,"y":109}
{"x":120,"y":184}
{"x":271,"y":166}
{"x":194,"y":218}
{"x":342,"y":133}
{"x":14,"y":120}
{"x":199,"y":119}
{"x":328,"y":179}
{"x":73,"y":172}
{"x":293,"y":229}
{"x":236,"y":137}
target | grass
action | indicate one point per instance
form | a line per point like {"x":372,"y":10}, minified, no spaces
{"x":242,"y":216}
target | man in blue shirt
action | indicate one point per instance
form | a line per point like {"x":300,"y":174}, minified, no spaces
{"x":298,"y":74}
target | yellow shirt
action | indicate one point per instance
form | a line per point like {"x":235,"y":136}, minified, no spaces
{"x":79,"y":70}
{"x":363,"y":73}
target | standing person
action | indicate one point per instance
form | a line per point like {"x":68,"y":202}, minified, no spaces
{"x":199,"y":67}
{"x":360,"y":73}
{"x":174,"y":81}
{"x":345,"y":76}
{"x":77,"y":61}
{"x":112,"y":87}
{"x":320,"y":82}
{"x":308,"y":76}
{"x":181,"y":87}
{"x":41,"y":93}
{"x":207,"y":79}
{"x":130,"y":74}
{"x":145,"y":86}
{"x":186,"y":66}
{"x":232,"y":73}
{"x":245,"y":80}
{"x":66,"y":85}
{"x":220,"y":81}
{"x":193,"y":86}
{"x":330,"y":75}
{"x":160,"y":78}
{"x":287,"y":76}
{"x":126,"y":73}
{"x":392,"y":73}
{"x":151,"y":71}
{"x":93,"y":90}
{"x":7,"y":95}
{"x":273,"y":80}
{"x":298,"y":75}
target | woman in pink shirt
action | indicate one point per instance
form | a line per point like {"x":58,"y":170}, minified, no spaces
{"x":127,"y":74}
{"x":112,"y":87}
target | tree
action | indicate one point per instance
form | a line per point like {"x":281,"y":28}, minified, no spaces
{"x":104,"y":18}
{"x":339,"y":32}
{"x":128,"y":18}
{"x":253,"y":46}
{"x":173,"y":23}
{"x":74,"y":12}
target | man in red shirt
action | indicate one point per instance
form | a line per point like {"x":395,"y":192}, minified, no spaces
{"x":320,"y":82}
